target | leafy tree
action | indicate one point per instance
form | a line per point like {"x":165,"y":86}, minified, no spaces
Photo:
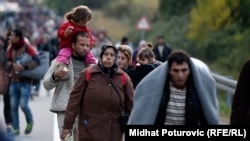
{"x":210,"y":17}
{"x":169,"y":8}
{"x":63,"y":6}
{"x":241,"y":14}
{"x":131,"y":10}
{"x":217,"y":29}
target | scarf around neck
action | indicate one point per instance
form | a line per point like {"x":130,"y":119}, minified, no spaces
{"x":110,"y":71}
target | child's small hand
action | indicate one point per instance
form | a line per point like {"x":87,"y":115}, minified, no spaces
{"x":69,"y":30}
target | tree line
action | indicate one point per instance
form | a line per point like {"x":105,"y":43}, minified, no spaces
{"x":215,"y":31}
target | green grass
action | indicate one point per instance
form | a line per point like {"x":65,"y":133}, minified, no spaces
{"x":117,"y":28}
{"x":225,"y":108}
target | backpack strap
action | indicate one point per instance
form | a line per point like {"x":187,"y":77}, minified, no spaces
{"x":88,"y":75}
{"x":124,"y":79}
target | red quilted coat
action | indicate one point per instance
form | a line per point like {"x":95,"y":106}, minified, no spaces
{"x":66,"y":41}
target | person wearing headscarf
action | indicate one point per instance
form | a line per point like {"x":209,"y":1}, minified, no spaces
{"x":99,"y":107}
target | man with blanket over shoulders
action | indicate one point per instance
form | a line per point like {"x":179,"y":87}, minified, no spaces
{"x":179,"y":92}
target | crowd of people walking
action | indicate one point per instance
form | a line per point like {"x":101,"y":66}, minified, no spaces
{"x":96,"y":80}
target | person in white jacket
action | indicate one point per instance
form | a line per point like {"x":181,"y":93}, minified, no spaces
{"x":63,"y":81}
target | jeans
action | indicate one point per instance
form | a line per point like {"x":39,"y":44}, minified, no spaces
{"x":20,"y":95}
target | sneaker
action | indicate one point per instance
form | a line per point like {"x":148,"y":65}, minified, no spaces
{"x":15,"y":132}
{"x":35,"y":93}
{"x":28,"y":128}
{"x":9,"y":129}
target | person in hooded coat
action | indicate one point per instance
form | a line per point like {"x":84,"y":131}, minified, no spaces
{"x":99,"y":108}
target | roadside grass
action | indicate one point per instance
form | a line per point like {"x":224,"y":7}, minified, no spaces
{"x":117,"y":28}
{"x":114,"y":28}
{"x":225,"y":108}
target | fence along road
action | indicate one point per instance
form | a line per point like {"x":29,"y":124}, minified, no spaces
{"x":224,"y":83}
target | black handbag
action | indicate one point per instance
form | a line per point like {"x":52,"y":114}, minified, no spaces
{"x":124,"y":116}
{"x":124,"y":120}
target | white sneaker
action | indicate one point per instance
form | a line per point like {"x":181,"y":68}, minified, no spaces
{"x":9,"y":128}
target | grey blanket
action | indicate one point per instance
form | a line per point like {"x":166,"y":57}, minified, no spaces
{"x":148,"y":94}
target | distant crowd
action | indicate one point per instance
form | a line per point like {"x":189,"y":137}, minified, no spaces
{"x":101,"y":86}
